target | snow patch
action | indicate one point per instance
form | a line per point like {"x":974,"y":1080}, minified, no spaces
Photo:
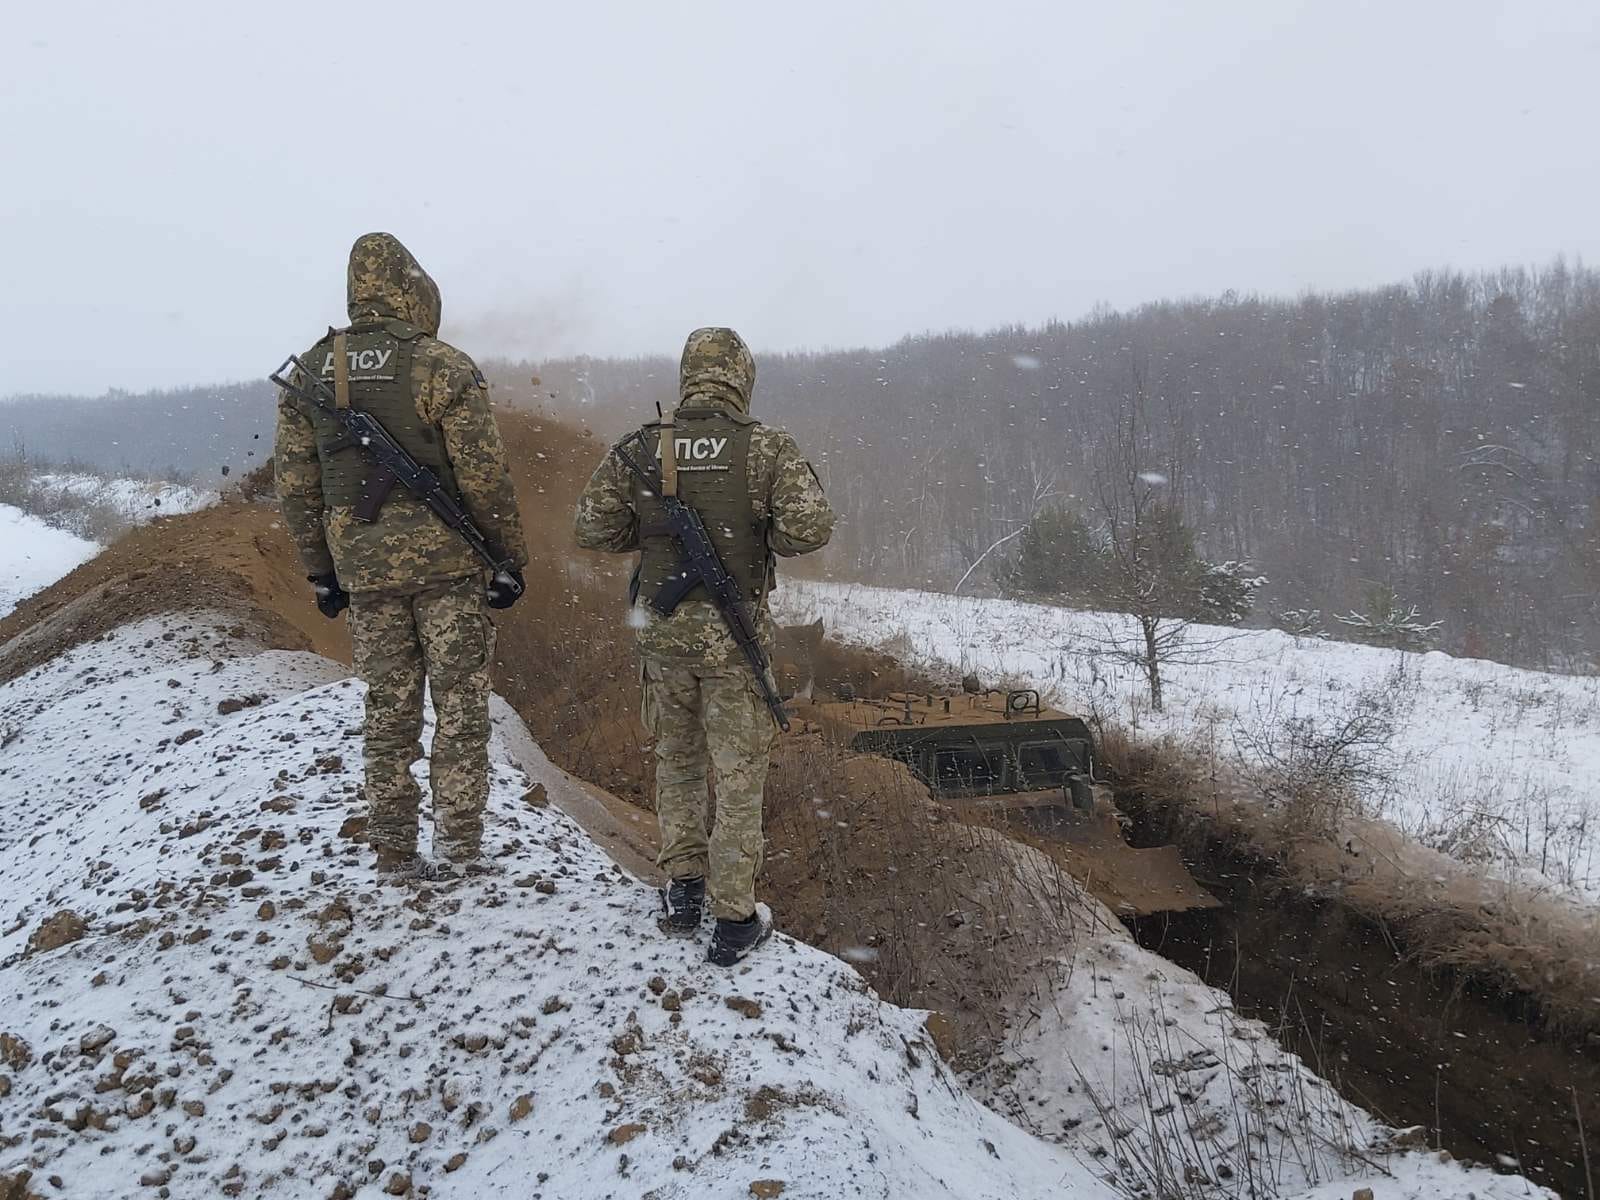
{"x":138,"y":500}
{"x":1496,"y":766}
{"x":34,"y":555}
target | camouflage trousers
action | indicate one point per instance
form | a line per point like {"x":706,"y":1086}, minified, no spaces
{"x":439,"y":634}
{"x":712,"y":716}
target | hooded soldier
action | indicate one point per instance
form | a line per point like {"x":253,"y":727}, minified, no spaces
{"x":759,"y":498}
{"x":415,"y":592}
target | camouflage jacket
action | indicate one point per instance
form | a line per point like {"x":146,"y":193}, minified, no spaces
{"x":407,"y":546}
{"x":785,"y":493}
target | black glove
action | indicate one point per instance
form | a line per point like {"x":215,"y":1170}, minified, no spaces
{"x":502,"y":592}
{"x":331,"y":598}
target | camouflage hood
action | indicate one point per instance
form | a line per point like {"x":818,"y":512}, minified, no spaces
{"x":717,"y":364}
{"x":387,"y":283}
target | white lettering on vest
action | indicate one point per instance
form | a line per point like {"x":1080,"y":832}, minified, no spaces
{"x":699,"y":449}
{"x":360,"y":360}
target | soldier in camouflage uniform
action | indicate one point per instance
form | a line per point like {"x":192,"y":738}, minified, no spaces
{"x":416,"y":593}
{"x":759,"y":497}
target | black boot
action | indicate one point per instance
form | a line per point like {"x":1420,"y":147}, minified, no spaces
{"x":734,"y":940}
{"x":683,"y":901}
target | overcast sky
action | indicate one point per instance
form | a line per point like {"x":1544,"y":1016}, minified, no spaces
{"x":183,"y":181}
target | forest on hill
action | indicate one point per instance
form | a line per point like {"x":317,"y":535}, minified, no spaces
{"x":1434,"y":441}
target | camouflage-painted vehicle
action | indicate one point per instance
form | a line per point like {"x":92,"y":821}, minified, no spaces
{"x":1002,"y":757}
{"x":994,"y":749}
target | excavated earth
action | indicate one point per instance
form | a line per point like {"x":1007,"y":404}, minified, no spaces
{"x":1354,"y":984}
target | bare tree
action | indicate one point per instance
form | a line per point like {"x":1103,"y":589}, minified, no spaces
{"x":1148,"y":548}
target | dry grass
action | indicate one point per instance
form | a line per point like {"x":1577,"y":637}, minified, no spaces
{"x":573,"y":676}
{"x":1438,"y":912}
{"x":1281,"y":1128}
{"x":77,"y":514}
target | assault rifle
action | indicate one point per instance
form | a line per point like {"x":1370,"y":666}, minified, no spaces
{"x":368,"y":432}
{"x":702,"y":566}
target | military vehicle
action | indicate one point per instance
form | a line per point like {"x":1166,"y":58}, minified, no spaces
{"x":991,"y":749}
{"x":1002,"y":757}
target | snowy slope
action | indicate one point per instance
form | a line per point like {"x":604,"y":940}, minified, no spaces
{"x":1137,"y":1065}
{"x":138,"y":500}
{"x":1490,"y":764}
{"x":34,"y":555}
{"x":249,"y":1014}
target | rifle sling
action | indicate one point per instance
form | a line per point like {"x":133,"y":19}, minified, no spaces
{"x":341,"y":371}
{"x":668,"y":438}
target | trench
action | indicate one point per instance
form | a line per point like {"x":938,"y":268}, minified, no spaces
{"x":1469,"y":1061}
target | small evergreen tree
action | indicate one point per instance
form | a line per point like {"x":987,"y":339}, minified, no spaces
{"x":1059,"y":555}
{"x":1226,"y":592}
{"x":1301,"y":622}
{"x":1390,"y":621}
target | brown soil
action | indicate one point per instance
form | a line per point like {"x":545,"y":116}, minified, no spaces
{"x":236,"y":557}
{"x":934,"y":912}
{"x":233,"y":557}
{"x":1131,"y":881}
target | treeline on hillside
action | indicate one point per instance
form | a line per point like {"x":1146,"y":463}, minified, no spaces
{"x":200,"y":433}
{"x":1433,"y":442}
{"x":1426,"y":449}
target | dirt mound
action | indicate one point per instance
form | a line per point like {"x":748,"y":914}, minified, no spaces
{"x":236,"y":557}
{"x":933,"y":911}
{"x":565,"y":661}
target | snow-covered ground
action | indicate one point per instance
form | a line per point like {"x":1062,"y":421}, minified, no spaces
{"x":35,"y":552}
{"x":1490,"y":764}
{"x":250,"y":1013}
{"x":245,"y":1011}
{"x":34,"y":555}
{"x":1138,"y":1066}
{"x":136,"y":499}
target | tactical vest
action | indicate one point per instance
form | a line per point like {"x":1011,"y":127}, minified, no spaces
{"x":379,"y":354}
{"x":713,"y":452}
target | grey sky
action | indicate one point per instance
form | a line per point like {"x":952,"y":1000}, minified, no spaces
{"x":183,"y":180}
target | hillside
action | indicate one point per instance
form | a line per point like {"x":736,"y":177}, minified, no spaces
{"x":209,"y":993}
{"x":1436,"y":436}
{"x":183,"y":779}
{"x":198,"y":431}
{"x":1403,"y":843}
{"x":1492,"y":765}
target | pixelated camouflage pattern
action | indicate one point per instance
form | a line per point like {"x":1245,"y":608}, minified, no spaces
{"x":785,"y":493}
{"x":384,"y":281}
{"x":440,"y":635}
{"x":717,"y":364}
{"x":297,"y":473}
{"x":786,"y":497}
{"x":714,"y":718}
{"x":407,"y":547}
